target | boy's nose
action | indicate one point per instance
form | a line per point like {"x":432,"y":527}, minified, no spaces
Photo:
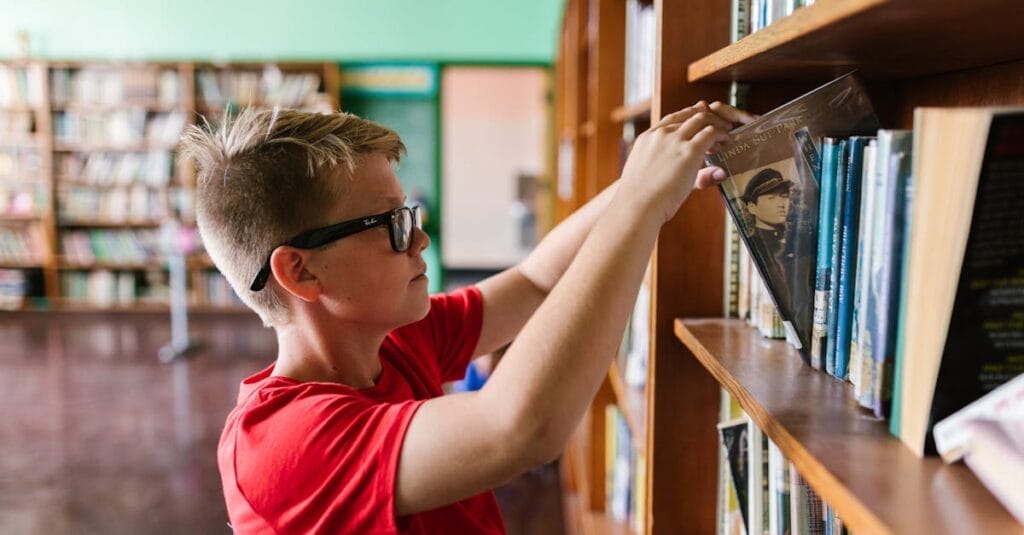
{"x":420,"y":240}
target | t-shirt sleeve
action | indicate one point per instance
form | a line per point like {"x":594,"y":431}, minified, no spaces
{"x":459,"y":326}
{"x":327,"y":464}
{"x":452,"y":328}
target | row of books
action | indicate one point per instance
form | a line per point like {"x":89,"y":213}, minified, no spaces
{"x":641,"y":35}
{"x":19,"y":87}
{"x":153,"y":168}
{"x":122,"y":128}
{"x":760,"y":491}
{"x":23,"y":199}
{"x":892,"y":257}
{"x":23,"y":244}
{"x":13,"y":289}
{"x":747,"y":295}
{"x":19,"y":163}
{"x":625,"y":494}
{"x":103,"y":288}
{"x":210,"y":288}
{"x":115,"y":86}
{"x":756,"y":14}
{"x":128,"y":204}
{"x":634,"y":354}
{"x":17,"y":125}
{"x":127,"y":247}
{"x":269,"y":87}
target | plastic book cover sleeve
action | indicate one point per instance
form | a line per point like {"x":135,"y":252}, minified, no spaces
{"x":774,"y":206}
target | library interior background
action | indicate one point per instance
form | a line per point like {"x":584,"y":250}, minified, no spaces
{"x":111,"y":410}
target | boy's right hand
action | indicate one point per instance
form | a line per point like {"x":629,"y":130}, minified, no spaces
{"x":666,"y":161}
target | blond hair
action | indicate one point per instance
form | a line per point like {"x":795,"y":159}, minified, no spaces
{"x":266,"y":176}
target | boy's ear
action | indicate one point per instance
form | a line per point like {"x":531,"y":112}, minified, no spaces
{"x":288,"y":266}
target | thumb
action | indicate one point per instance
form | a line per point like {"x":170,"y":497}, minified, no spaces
{"x":709,"y":177}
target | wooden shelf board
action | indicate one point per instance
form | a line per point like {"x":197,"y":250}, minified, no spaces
{"x":16,"y":264}
{"x":64,"y":183}
{"x":21,"y":218}
{"x":69,"y":305}
{"x":632,"y":401}
{"x":98,"y":107}
{"x":108,"y":224}
{"x":140,"y":147}
{"x":890,"y":39}
{"x":18,"y":142}
{"x":632,"y":112}
{"x":17,"y":108}
{"x":874,"y":482}
{"x":112,"y":266}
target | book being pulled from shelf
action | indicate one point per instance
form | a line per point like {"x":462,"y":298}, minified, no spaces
{"x":774,"y":207}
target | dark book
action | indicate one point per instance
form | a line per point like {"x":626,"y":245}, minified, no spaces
{"x":733,"y":435}
{"x":962,"y":334}
{"x":775,"y":209}
{"x":848,"y":253}
{"x":836,"y":226}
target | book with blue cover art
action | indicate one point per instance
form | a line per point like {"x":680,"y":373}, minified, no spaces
{"x":774,"y":207}
{"x":835,"y":226}
{"x":848,"y":253}
{"x":831,"y":151}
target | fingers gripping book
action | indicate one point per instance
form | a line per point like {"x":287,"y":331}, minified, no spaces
{"x":772,"y":191}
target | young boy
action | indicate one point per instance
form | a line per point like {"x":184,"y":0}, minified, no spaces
{"x":348,"y":431}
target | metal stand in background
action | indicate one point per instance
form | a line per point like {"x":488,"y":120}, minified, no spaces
{"x":180,"y":343}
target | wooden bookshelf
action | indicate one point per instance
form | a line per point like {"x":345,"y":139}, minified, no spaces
{"x":630,"y":112}
{"x":890,"y":39}
{"x":144,"y":92}
{"x":875,"y":483}
{"x":911,"y":53}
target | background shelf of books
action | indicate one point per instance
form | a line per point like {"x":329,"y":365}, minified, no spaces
{"x":824,"y":426}
{"x":88,"y":174}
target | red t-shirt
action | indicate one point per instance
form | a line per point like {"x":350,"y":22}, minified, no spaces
{"x":323,"y":457}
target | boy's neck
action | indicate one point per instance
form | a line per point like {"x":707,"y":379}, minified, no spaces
{"x":335,"y":355}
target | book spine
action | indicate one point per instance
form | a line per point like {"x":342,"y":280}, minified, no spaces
{"x":884,"y":340}
{"x":819,"y":337}
{"x":836,"y":226}
{"x":848,"y":253}
{"x":895,"y":420}
{"x":859,"y":376}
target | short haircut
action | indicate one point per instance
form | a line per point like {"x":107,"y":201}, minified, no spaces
{"x":265,"y":176}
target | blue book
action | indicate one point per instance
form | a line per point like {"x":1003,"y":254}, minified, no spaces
{"x":830,"y":152}
{"x":838,"y":207}
{"x":848,"y":252}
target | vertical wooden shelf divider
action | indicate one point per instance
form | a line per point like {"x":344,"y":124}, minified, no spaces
{"x":682,"y":445}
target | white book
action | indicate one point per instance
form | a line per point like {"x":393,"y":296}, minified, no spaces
{"x":952,"y":434}
{"x":996,"y":456}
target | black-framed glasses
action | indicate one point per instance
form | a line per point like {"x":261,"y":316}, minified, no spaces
{"x":400,"y":223}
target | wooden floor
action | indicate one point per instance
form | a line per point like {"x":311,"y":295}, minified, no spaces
{"x":97,"y":436}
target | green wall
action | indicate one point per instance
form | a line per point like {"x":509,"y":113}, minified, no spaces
{"x":438,"y":30}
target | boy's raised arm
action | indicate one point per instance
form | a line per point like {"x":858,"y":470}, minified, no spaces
{"x":458,"y":446}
